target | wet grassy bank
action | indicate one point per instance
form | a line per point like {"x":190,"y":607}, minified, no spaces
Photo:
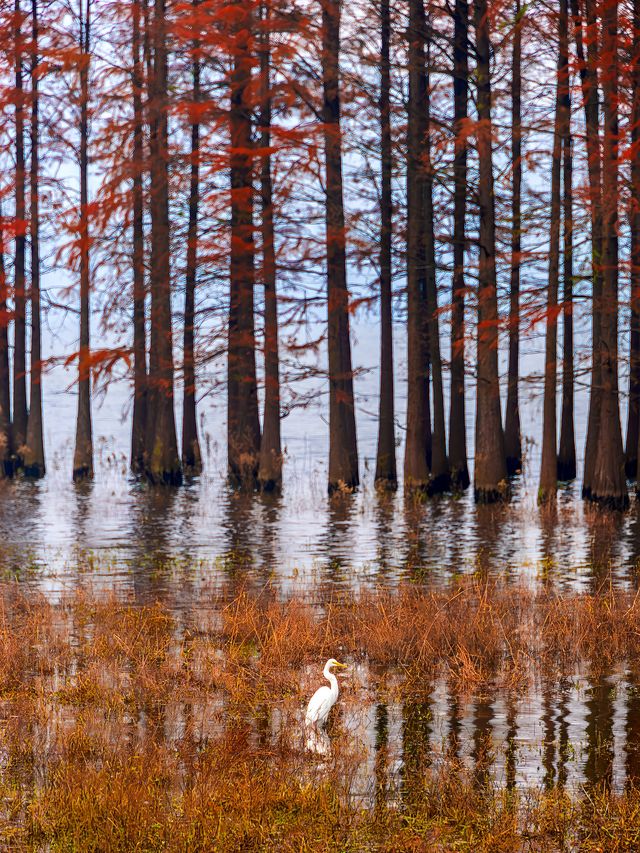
{"x":133,"y":727}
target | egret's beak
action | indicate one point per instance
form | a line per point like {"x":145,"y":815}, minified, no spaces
{"x":342,"y":665}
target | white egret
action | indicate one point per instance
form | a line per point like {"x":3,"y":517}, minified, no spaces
{"x":324,"y":698}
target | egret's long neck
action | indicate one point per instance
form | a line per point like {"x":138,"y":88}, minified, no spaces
{"x":333,"y":681}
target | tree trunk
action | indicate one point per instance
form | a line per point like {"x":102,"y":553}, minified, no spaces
{"x":343,"y":448}
{"x":440,"y":480}
{"x":162,"y":464}
{"x":5,"y":381}
{"x":191,"y":456}
{"x":457,"y":415}
{"x":139,"y":423}
{"x":490,"y":474}
{"x":386,"y":474}
{"x":417,"y":458}
{"x":512,"y":438}
{"x":589,"y":82}
{"x":270,"y":467}
{"x":567,"y":451}
{"x":83,"y":456}
{"x":633,"y":431}
{"x":243,"y":425}
{"x":609,"y":484}
{"x":34,"y":445}
{"x":19,"y":431}
{"x":549,"y":466}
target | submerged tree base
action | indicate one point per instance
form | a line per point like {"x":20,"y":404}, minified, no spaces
{"x":460,"y":480}
{"x":418,"y":488}
{"x":83,"y":472}
{"x":439,"y":485}
{"x":385,"y":483}
{"x":191,"y":467}
{"x":547,"y":495}
{"x":343,"y":486}
{"x":566,"y":470}
{"x":618,"y":503}
{"x":164,"y":478}
{"x":246,"y":481}
{"x":191,"y":459}
{"x":33,"y":471}
{"x":190,"y":472}
{"x":270,"y":471}
{"x":514,"y":465}
{"x":492,"y":494}
{"x":270,"y":484}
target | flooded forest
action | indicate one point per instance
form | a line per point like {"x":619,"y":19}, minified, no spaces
{"x":319,"y":425}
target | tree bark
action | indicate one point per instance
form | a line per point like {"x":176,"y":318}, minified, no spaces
{"x":191,"y":455}
{"x":512,"y":437}
{"x":34,"y":465}
{"x":270,"y":466}
{"x":633,"y":431}
{"x":343,"y":448}
{"x":139,"y":422}
{"x":589,"y":83}
{"x":490,"y":473}
{"x":83,"y":456}
{"x":609,"y":484}
{"x":386,"y":475}
{"x":19,"y":430}
{"x":6,"y":467}
{"x":162,"y":463}
{"x":243,"y":425}
{"x":549,"y":466}
{"x":567,"y":448}
{"x":457,"y":415}
{"x":417,"y":458}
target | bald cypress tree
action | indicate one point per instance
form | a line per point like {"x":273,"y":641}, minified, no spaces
{"x":343,"y":448}
{"x":191,"y":455}
{"x":139,"y":420}
{"x":83,"y":454}
{"x":33,"y":456}
{"x":270,"y":467}
{"x":386,"y":476}
{"x":608,"y":485}
{"x":512,"y":438}
{"x":440,"y":479}
{"x":6,"y":466}
{"x":243,"y":425}
{"x":586,"y":32}
{"x":457,"y":411}
{"x":417,"y":456}
{"x":567,"y":446}
{"x":161,"y":460}
{"x":19,"y":426}
{"x":490,"y":464}
{"x":633,"y":430}
{"x":549,"y":466}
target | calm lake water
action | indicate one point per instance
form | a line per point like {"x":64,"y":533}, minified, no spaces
{"x":583,"y":731}
{"x":173,"y":544}
{"x":126,"y":527}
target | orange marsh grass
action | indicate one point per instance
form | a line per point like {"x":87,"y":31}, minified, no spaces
{"x":127,"y":727}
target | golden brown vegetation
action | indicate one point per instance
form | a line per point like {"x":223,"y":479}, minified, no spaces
{"x":127,"y":727}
